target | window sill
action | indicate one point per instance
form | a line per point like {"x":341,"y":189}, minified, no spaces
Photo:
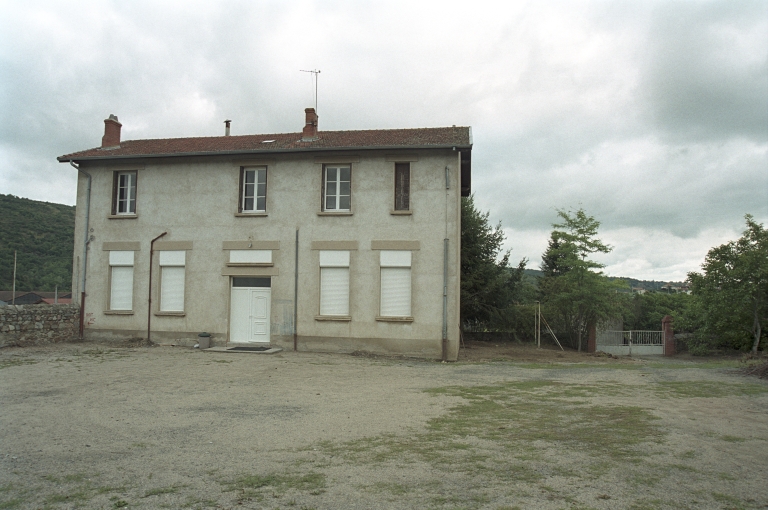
{"x":334,"y":213}
{"x":339,"y":318}
{"x":401,"y":213}
{"x":171,"y":314}
{"x":259,"y":214}
{"x":118,"y":312}
{"x":122,"y":216}
{"x":250,"y":264}
{"x":394,"y":319}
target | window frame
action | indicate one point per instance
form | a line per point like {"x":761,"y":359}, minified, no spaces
{"x":116,"y":187}
{"x":241,"y":200}
{"x":338,"y":167}
{"x":402,"y":195}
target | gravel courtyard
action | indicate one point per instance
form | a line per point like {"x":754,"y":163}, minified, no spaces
{"x":98,"y":426}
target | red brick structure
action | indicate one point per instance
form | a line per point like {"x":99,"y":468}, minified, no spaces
{"x":669,"y":337}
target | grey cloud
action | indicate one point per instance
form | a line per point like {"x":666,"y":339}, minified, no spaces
{"x":706,"y":69}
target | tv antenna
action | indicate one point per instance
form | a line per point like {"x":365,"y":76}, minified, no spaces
{"x":314,"y":72}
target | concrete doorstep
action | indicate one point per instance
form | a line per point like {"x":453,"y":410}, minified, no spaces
{"x":243,"y":349}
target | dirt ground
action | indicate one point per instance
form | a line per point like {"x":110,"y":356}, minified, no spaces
{"x":508,"y":426}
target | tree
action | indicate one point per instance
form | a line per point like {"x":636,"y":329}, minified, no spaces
{"x":733,"y":288}
{"x":572,"y":287}
{"x":488,"y":284}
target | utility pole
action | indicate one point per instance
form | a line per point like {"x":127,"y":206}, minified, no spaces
{"x":13,"y":293}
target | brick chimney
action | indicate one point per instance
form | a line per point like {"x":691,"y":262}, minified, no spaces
{"x":111,"y":136}
{"x":310,"y":127}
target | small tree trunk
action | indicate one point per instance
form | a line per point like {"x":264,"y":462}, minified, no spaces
{"x":581,"y":324}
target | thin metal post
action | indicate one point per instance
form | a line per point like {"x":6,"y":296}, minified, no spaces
{"x":13,"y":295}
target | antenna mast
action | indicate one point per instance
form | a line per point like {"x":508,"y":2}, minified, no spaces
{"x":314,"y":72}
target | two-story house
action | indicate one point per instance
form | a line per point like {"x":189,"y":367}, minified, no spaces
{"x":317,"y":241}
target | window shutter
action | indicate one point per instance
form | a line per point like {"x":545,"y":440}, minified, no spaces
{"x":114,"y":192}
{"x":172,"y":289}
{"x":334,"y":291}
{"x":396,"y":291}
{"x":240,"y":197}
{"x":121,"y":294}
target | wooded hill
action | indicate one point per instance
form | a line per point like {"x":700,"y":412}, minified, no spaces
{"x":42,"y":234}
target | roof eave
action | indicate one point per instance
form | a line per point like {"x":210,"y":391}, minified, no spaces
{"x":67,"y":159}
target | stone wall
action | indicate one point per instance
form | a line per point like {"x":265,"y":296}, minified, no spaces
{"x":23,"y":325}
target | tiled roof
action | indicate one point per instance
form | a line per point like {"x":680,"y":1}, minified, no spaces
{"x":459,"y":137}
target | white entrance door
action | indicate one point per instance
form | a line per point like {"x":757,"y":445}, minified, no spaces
{"x":249,"y":322}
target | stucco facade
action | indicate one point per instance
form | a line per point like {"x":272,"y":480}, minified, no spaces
{"x":196,"y":200}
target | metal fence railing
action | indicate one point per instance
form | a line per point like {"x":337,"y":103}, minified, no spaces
{"x":630,"y":338}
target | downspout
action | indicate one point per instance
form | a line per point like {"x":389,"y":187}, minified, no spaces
{"x":296,"y":297}
{"x":445,"y":271}
{"x":149,"y":297}
{"x":86,"y":240}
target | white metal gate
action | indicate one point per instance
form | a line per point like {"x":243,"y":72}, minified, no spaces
{"x":628,"y":343}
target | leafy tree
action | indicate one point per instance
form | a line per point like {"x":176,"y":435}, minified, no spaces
{"x":488,"y":284}
{"x":573,"y":289}
{"x":42,"y":234}
{"x":646,"y":311}
{"x":733,"y":288}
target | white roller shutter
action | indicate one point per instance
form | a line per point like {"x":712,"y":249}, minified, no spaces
{"x":395,"y":291}
{"x":334,"y":291}
{"x":172,"y":289}
{"x":121,"y":288}
{"x":395,"y":283}
{"x":173,"y":257}
{"x":250,"y":256}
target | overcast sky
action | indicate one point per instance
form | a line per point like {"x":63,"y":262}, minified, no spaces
{"x":652,"y":116}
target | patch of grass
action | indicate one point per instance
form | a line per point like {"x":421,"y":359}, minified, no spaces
{"x":171,"y":489}
{"x":279,"y":483}
{"x":703,"y":389}
{"x":11,"y":503}
{"x":732,"y":439}
{"x":77,"y":496}
{"x":524,"y":412}
{"x":199,"y":503}
{"x":709,"y":364}
{"x":5,"y":363}
{"x":727,"y":498}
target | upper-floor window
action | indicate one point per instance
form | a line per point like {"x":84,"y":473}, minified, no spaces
{"x":253,"y":189}
{"x":337,"y":190}
{"x":124,"y":194}
{"x":402,"y":186}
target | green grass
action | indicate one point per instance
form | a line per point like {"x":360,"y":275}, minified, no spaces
{"x":15,"y":362}
{"x":706,"y":389}
{"x":277,"y":483}
{"x":732,"y":439}
{"x":158,"y":491}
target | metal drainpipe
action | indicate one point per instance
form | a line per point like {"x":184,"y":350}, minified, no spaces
{"x":85,"y":245}
{"x":445,"y":271}
{"x":149,"y":297}
{"x":296,"y":297}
